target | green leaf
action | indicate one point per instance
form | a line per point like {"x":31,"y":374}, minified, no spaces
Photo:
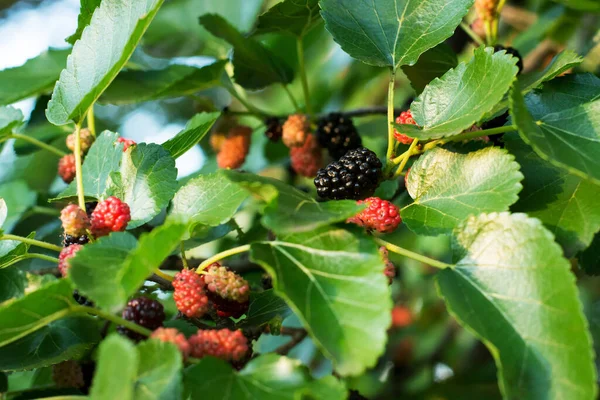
{"x":589,"y":259}
{"x":565,"y":203}
{"x":391,"y":33}
{"x":432,"y":64}
{"x":64,"y":339}
{"x":334,"y":282}
{"x":296,"y":17}
{"x":36,"y":76}
{"x":10,"y":118}
{"x":34,"y":311}
{"x":13,"y":251}
{"x":147,"y":181}
{"x":104,"y":48}
{"x":461,"y":97}
{"x":290,"y":210}
{"x":103,"y":158}
{"x":196,"y":128}
{"x":173,"y":81}
{"x":152,"y":250}
{"x":561,"y":63}
{"x":18,"y":198}
{"x":3,"y":213}
{"x":44,"y":132}
{"x":513,"y":289}
{"x":159,"y":371}
{"x":264,"y":307}
{"x":569,"y":138}
{"x":86,"y":11}
{"x":97,"y":269}
{"x":267,"y":377}
{"x":327,"y":387}
{"x":255,"y":66}
{"x":12,"y":284}
{"x":208,"y":200}
{"x":116,"y":370}
{"x":446,"y":190}
{"x":113,"y":268}
{"x":583,"y":5}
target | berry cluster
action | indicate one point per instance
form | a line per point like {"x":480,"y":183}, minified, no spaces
{"x":145,"y":312}
{"x":189,"y":295}
{"x":233,"y":148}
{"x":338,"y":135}
{"x":380,"y":215}
{"x":66,"y":165}
{"x":355,"y":176}
{"x":224,"y":343}
{"x":405,"y":118}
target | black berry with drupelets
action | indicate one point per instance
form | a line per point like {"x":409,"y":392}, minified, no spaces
{"x":274,"y":129}
{"x":337,"y":134}
{"x":355,"y":176}
{"x":82,"y":300}
{"x":69,"y":240}
{"x":513,"y":52}
{"x":145,"y":312}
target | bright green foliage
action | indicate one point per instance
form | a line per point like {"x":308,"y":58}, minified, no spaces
{"x":505,"y":287}
{"x":194,"y":131}
{"x":445,"y":190}
{"x":326,"y":276}
{"x":391,"y":33}
{"x":110,"y":39}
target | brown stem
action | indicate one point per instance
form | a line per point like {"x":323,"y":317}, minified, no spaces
{"x":296,"y":339}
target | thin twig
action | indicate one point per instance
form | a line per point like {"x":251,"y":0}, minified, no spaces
{"x":296,"y":339}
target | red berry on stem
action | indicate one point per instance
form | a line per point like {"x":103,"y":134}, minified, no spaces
{"x":404,"y":118}
{"x":307,"y":159}
{"x":234,"y":148}
{"x":65,"y":255}
{"x":66,"y":168}
{"x":189,"y":294}
{"x":172,"y":335}
{"x":75,"y":221}
{"x":380,"y":215}
{"x":126,"y":143}
{"x":110,"y":215}
{"x":225,"y":344}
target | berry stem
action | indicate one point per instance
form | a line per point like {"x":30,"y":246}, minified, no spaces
{"x":91,"y":121}
{"x":234,"y":92}
{"x":158,"y":272}
{"x":410,"y":254}
{"x":113,"y":318}
{"x":43,"y":211}
{"x":28,"y":256}
{"x":222,"y":255}
{"x":183,"y":258}
{"x":303,"y":77}
{"x":78,"y":175}
{"x":408,"y":153}
{"x":296,"y":338}
{"x":292,"y":99}
{"x":39,"y":144}
{"x":32,"y":242}
{"x":465,"y":27}
{"x":390,"y":115}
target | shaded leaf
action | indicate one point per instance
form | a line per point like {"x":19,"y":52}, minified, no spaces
{"x":589,"y":259}
{"x":290,"y":210}
{"x":196,"y":128}
{"x":561,"y":63}
{"x":159,"y":371}
{"x":64,"y":339}
{"x":446,"y":190}
{"x":584,"y":5}
{"x":255,"y":65}
{"x":391,"y":33}
{"x":334,"y":282}
{"x":104,"y":48}
{"x":510,"y":273}
{"x":461,"y":97}
{"x":264,"y":307}
{"x":173,"y":81}
{"x":18,"y":198}
{"x":36,"y":76}
{"x":10,"y":118}
{"x":432,"y":64}
{"x":12,"y":284}
{"x":296,"y":17}
{"x":13,"y":251}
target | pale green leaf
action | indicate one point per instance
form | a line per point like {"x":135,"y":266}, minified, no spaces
{"x":159,"y":371}
{"x":447,"y":187}
{"x":334,"y":282}
{"x":192,"y":134}
{"x":514,"y":290}
{"x":10,"y":118}
{"x":105,"y":46}
{"x":391,"y":33}
{"x":36,"y":76}
{"x":116,"y":370}
{"x":462,"y":96}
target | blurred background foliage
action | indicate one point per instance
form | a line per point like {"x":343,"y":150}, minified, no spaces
{"x":429,"y":355}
